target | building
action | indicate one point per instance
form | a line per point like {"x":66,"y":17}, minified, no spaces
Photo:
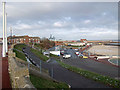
{"x":83,"y":40}
{"x":52,"y":38}
{"x":23,"y":39}
{"x":59,"y":43}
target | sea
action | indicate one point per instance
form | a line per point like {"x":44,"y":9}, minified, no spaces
{"x":117,"y":44}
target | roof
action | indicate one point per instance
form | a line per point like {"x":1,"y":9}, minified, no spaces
{"x":26,"y":36}
{"x":19,"y":36}
{"x":35,"y":37}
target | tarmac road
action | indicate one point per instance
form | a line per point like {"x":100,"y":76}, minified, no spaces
{"x":62,"y":74}
{"x":91,"y":65}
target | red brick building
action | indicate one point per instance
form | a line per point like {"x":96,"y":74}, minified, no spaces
{"x":59,"y":43}
{"x":23,"y":39}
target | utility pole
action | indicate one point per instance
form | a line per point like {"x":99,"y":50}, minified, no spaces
{"x":3,"y":51}
{"x":6,"y":45}
{"x":11,"y":34}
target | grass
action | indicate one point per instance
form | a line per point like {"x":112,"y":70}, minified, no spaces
{"x":39,"y":54}
{"x":40,"y":82}
{"x":19,"y":54}
{"x":55,"y":56}
{"x":75,"y":46}
{"x":91,"y":75}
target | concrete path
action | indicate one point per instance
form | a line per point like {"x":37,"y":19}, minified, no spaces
{"x":62,"y":74}
{"x":0,"y":67}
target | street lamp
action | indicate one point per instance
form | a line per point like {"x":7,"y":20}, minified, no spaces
{"x":4,"y":50}
{"x":6,"y":33}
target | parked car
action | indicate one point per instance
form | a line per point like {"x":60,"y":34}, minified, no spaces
{"x":62,"y":52}
{"x":77,"y":53}
{"x":76,"y":49}
{"x":85,"y":57}
{"x":80,"y":55}
{"x":66,"y":55}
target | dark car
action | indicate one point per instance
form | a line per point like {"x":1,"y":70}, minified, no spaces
{"x":62,"y":52}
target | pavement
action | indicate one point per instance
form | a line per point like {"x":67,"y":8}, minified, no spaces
{"x":92,"y":65}
{"x":0,"y":67}
{"x":4,"y":75}
{"x":64,"y":75}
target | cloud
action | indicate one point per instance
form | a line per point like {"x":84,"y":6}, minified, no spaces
{"x":64,"y":20}
{"x":104,"y":13}
{"x":58,"y":24}
{"x":67,"y":18}
{"x":22,"y":26}
{"x":87,"y":21}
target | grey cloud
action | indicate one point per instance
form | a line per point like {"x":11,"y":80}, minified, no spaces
{"x":39,"y":19}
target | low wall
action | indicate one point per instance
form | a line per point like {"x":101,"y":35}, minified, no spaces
{"x":19,"y":75}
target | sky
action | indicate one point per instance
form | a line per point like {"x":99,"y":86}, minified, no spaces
{"x":64,"y":20}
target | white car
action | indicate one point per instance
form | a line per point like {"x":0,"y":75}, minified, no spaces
{"x":66,"y":55}
{"x":77,"y":53}
{"x":76,"y":49}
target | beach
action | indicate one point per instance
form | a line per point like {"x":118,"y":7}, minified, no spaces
{"x":105,"y":50}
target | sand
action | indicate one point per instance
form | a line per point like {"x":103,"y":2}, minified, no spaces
{"x":105,"y":50}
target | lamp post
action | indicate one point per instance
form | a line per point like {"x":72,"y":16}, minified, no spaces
{"x":3,"y":49}
{"x":6,"y":33}
{"x":11,"y":35}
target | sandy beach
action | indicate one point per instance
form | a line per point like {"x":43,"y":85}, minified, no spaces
{"x":105,"y":50}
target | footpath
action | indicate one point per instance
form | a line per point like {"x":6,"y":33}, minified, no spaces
{"x":4,"y":75}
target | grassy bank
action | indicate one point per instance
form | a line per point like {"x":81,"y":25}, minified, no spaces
{"x":19,"y":53}
{"x":76,"y":46}
{"x":55,"y":56}
{"x":39,"y":54}
{"x":40,"y":82}
{"x":91,"y":75}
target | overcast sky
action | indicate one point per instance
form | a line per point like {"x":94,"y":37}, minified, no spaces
{"x":66,"y":21}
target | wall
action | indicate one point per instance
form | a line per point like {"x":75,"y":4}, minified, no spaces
{"x":19,"y":75}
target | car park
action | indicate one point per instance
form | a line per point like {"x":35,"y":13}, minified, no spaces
{"x":66,"y":55}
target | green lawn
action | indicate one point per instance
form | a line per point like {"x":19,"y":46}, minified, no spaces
{"x":19,"y":54}
{"x":39,"y":54}
{"x":40,"y":82}
{"x":91,"y":75}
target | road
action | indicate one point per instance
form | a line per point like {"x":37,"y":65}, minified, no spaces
{"x":64,"y":75}
{"x":91,"y":65}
